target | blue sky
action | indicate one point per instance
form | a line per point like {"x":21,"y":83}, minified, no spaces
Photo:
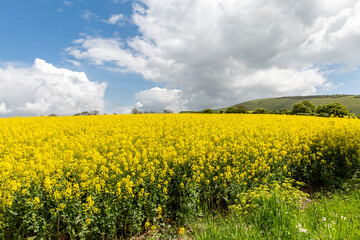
{"x":180,"y":55}
{"x":44,"y":29}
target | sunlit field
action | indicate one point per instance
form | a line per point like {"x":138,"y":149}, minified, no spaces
{"x":111,"y":177}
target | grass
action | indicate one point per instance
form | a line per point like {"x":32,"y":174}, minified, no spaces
{"x":329,"y":216}
{"x":277,"y":213}
{"x":352,"y":102}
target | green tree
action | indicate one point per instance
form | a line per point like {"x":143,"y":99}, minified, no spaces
{"x":208,"y":110}
{"x":168,"y":111}
{"x":284,"y":111}
{"x":260,"y":111}
{"x":335,"y":109}
{"x":320,"y":109}
{"x":237,"y":109}
{"x":309,"y":105}
{"x":135,"y":111}
{"x":303,"y":107}
{"x":241,"y":109}
{"x":94,"y":112}
{"x":230,"y":110}
{"x":84,"y":113}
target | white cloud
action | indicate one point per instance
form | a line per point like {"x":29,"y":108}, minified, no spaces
{"x":117,"y":108}
{"x":74,"y":62}
{"x":87,"y":15}
{"x":138,"y":105}
{"x":123,"y":109}
{"x":335,"y":39}
{"x":157,"y":99}
{"x":3,"y":109}
{"x":115,"y":19}
{"x":44,"y":89}
{"x":223,"y":52}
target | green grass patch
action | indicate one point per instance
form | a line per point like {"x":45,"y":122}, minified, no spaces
{"x":279,"y":215}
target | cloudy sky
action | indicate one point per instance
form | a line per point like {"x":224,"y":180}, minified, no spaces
{"x":69,"y":56}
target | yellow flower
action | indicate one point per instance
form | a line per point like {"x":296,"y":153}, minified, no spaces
{"x":141,"y":158}
{"x":147,"y":224}
{"x":87,"y":221}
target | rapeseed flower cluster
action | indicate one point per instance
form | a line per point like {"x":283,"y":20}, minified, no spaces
{"x":90,"y":175}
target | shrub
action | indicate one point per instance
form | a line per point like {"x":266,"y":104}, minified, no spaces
{"x":335,"y":109}
{"x":208,"y":110}
{"x":260,"y":111}
{"x":303,"y":107}
{"x":230,"y":110}
{"x":284,"y":111}
{"x":237,"y":109}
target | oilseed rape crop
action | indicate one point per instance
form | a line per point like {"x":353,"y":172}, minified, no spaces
{"x":92,"y":177}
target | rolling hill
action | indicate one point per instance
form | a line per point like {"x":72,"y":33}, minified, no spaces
{"x":352,"y":102}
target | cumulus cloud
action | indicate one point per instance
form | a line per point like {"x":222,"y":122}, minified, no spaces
{"x":115,"y":19}
{"x":222,"y":52}
{"x":335,"y":39}
{"x":157,"y":99}
{"x":3,"y":109}
{"x":44,"y":89}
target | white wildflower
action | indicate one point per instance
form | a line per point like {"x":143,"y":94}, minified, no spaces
{"x":303,"y":230}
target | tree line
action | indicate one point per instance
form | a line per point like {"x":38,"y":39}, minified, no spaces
{"x":300,"y":108}
{"x":136,"y":111}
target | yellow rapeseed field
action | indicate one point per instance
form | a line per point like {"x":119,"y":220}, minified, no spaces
{"x":88,"y":176}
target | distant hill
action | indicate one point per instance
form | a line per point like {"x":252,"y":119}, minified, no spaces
{"x":352,"y":102}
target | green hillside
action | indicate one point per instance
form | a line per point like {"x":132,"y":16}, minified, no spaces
{"x":352,"y":102}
